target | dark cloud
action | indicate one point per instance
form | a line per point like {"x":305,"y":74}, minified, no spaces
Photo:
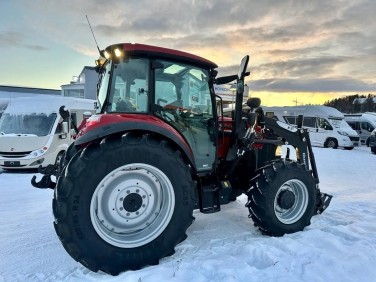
{"x":312,"y":85}
{"x":294,"y":68}
{"x":297,"y":52}
{"x":12,"y":39}
{"x":305,"y":67}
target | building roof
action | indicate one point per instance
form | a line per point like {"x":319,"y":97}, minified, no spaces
{"x":19,"y":89}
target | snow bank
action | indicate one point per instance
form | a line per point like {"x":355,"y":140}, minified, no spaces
{"x":339,"y":245}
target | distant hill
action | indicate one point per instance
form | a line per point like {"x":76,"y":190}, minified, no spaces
{"x":354,"y":103}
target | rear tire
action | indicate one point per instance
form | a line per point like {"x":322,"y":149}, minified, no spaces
{"x":124,"y":203}
{"x":282,"y":199}
{"x":331,"y":143}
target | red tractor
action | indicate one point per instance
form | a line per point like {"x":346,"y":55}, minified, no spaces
{"x":159,"y":147}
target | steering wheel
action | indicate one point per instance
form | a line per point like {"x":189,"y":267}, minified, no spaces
{"x":161,"y":100}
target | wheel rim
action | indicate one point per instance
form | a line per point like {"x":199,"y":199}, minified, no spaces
{"x":298,"y":207}
{"x":132,"y":205}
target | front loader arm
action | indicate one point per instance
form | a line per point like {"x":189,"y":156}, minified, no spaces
{"x":297,"y":137}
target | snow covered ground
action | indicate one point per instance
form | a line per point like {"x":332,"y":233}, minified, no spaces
{"x":339,"y":245}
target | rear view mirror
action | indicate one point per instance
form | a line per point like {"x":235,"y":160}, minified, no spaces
{"x":243,"y":67}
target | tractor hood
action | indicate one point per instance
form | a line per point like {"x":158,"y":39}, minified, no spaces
{"x":22,"y":142}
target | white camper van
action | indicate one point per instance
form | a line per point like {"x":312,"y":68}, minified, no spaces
{"x":363,"y":124}
{"x":326,"y":125}
{"x":32,"y":133}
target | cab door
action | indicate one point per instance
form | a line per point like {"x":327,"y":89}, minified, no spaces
{"x":183,"y":99}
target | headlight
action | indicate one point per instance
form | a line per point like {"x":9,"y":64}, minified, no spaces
{"x":343,"y":133}
{"x":39,"y":152}
{"x":373,"y":133}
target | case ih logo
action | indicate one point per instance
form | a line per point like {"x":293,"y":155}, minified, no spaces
{"x":11,"y":149}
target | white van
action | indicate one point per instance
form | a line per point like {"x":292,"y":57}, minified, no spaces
{"x":363,"y":124}
{"x":32,"y":133}
{"x":3,"y":105}
{"x":326,"y":125}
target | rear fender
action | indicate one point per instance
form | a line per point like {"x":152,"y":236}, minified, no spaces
{"x":101,"y":131}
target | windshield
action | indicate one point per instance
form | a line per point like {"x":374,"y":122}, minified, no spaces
{"x":340,"y":123}
{"x":128,"y":92}
{"x":35,"y":124}
{"x":104,"y":76}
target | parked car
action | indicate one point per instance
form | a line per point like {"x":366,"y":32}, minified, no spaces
{"x":363,"y":124}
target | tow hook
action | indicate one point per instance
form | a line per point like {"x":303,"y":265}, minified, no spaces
{"x":323,"y":202}
{"x":46,"y":181}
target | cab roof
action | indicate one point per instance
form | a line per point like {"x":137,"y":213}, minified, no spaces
{"x":160,"y":52}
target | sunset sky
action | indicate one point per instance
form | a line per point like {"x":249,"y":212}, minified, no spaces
{"x":301,"y":50}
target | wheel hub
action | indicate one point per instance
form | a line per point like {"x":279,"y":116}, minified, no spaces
{"x":291,"y":201}
{"x":286,"y":199}
{"x":132,"y":202}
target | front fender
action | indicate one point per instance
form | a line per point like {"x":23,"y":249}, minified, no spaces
{"x":106,"y":125}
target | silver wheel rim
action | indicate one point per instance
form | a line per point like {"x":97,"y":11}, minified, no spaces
{"x":293,"y":214}
{"x":132,"y":205}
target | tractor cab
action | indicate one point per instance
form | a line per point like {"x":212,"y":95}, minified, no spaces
{"x":173,"y":86}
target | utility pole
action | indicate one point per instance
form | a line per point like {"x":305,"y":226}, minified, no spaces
{"x":295,"y":101}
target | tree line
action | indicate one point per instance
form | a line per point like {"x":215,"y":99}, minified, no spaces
{"x":354,"y":103}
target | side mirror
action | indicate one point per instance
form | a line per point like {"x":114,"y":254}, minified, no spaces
{"x":64,"y":130}
{"x":65,"y":127}
{"x":254,"y":102}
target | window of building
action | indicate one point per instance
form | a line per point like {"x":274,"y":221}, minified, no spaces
{"x":78,"y":93}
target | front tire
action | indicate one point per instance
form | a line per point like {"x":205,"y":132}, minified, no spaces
{"x":331,"y":143}
{"x":282,"y":199}
{"x":124,"y":203}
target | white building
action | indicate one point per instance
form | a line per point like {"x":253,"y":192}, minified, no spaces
{"x":82,"y":86}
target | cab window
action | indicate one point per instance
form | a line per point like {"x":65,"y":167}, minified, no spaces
{"x":129,"y":86}
{"x":182,"y":99}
